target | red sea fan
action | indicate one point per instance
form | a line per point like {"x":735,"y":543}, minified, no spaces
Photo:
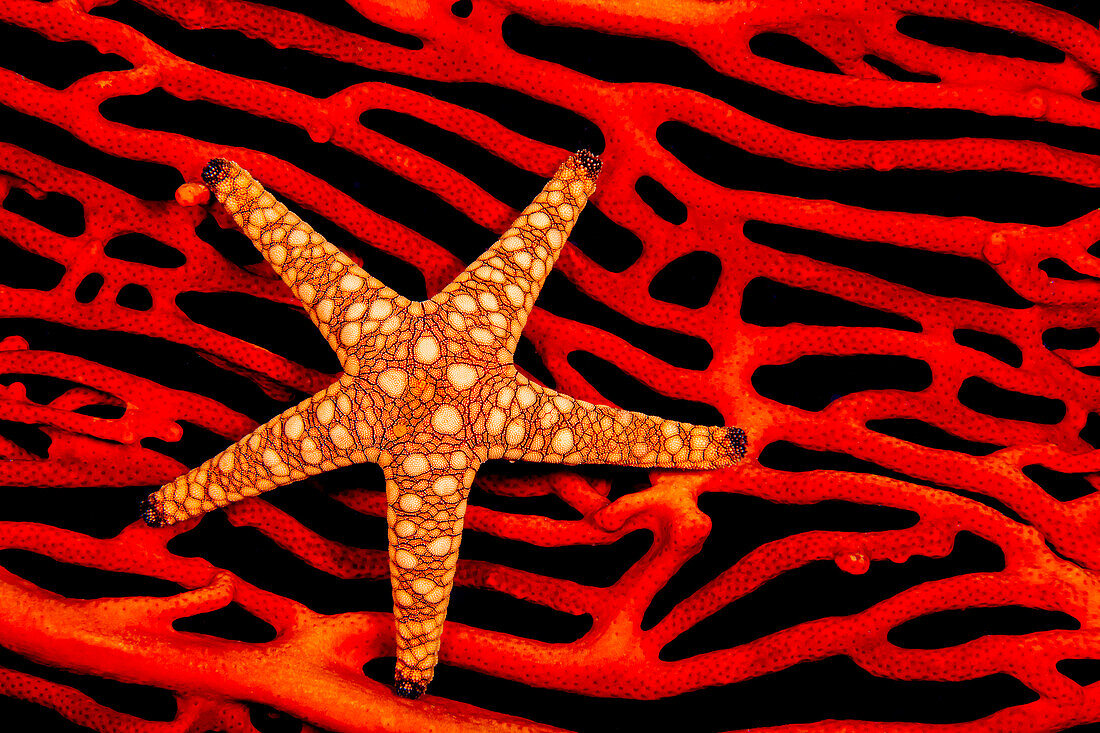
{"x":859,"y":229}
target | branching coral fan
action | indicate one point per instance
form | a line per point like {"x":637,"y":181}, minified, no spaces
{"x":860,"y":230}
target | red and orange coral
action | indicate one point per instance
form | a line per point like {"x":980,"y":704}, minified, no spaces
{"x":921,"y":378}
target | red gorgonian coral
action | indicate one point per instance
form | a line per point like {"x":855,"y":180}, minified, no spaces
{"x":859,"y":229}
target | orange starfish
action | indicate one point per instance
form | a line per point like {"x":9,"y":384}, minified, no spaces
{"x":429,"y":392}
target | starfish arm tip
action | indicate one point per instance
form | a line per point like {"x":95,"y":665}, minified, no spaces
{"x":736,"y":444}
{"x":408,"y":688}
{"x":215,"y":171}
{"x":150,"y":513}
{"x":588,"y":161}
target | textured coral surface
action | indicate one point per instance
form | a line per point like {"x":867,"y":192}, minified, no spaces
{"x":859,"y":229}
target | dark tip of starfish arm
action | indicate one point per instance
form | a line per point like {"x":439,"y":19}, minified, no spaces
{"x":409,"y":689}
{"x":738,"y":443}
{"x":215,"y":171}
{"x":150,"y":514}
{"x":588,"y":161}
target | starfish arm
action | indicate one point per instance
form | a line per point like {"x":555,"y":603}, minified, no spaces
{"x":426,"y":506}
{"x":314,"y":436}
{"x":547,"y":426}
{"x":342,"y":299}
{"x":498,"y":290}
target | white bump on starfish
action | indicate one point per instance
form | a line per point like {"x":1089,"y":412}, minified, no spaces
{"x":445,"y":485}
{"x":393,"y":382}
{"x":562,"y":441}
{"x":415,"y":464}
{"x":440,"y":547}
{"x":446,"y":420}
{"x":461,"y":376}
{"x":380,"y":309}
{"x":405,"y":559}
{"x":426,"y":350}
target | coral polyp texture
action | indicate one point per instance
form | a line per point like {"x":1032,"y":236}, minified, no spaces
{"x":861,"y":230}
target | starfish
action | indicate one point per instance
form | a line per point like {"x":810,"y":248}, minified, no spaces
{"x":429,"y":392}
